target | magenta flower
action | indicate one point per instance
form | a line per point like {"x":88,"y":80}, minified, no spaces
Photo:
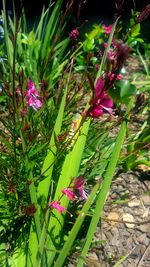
{"x":107,"y":29}
{"x":111,"y":76}
{"x":56,"y":205}
{"x":74,"y":34}
{"x":78,"y":186}
{"x":101,"y":102}
{"x":111,"y":55}
{"x":32,"y":96}
{"x":68,"y":193}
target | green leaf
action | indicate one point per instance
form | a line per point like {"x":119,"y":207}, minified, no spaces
{"x":88,"y":44}
{"x":126,"y":88}
{"x":135,"y":31}
{"x":123,"y":91}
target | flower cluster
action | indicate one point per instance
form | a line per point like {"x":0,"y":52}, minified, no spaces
{"x":56,"y":205}
{"x":32,"y":96}
{"x":107,"y":29}
{"x":74,"y":34}
{"x":73,"y":192}
{"x":101,"y":101}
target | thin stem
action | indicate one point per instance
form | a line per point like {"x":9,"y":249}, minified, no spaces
{"x":14,"y":93}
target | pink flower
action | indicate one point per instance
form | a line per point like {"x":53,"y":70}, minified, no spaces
{"x":69,"y":193}
{"x":32,"y":96}
{"x":111,"y":76}
{"x":111,"y":55}
{"x":56,"y":205}
{"x":31,"y":89}
{"x":78,"y":183}
{"x":35,"y":103}
{"x":78,"y":186}
{"x":74,"y":34}
{"x":107,"y":29}
{"x":101,"y":102}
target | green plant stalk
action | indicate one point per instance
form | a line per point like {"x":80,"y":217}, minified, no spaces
{"x":70,"y":169}
{"x":101,"y":68}
{"x":44,"y":185}
{"x":43,"y":188}
{"x":35,"y":230}
{"x":105,"y":186}
{"x":143,"y":62}
{"x":130,"y":149}
{"x":39,"y":255}
{"x":19,"y":256}
{"x":76,"y":227}
{"x":51,"y":28}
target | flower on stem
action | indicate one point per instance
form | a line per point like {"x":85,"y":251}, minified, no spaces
{"x":107,"y":29}
{"x":77,"y":189}
{"x":74,"y":34}
{"x":56,"y":205}
{"x":116,"y":56}
{"x":111,"y":76}
{"x":32,"y":96}
{"x":101,"y":102}
{"x":78,"y":186}
{"x":69,"y":193}
{"x":122,"y":53}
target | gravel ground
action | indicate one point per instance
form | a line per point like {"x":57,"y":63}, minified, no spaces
{"x":125,"y":227}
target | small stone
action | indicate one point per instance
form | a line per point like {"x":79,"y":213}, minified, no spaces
{"x":146,"y":200}
{"x":113,"y":196}
{"x":92,"y":260}
{"x":145,"y":228}
{"x":145,"y":213}
{"x":134,"y":203}
{"x":113,"y":216}
{"x":129,"y":218}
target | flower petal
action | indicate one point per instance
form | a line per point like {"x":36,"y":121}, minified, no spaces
{"x":56,"y":205}
{"x":69,"y":193}
{"x":99,"y":87}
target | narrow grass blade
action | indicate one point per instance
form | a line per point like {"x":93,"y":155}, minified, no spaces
{"x":51,"y":28}
{"x":101,"y":68}
{"x":105,"y":188}
{"x":71,"y":238}
{"x":70,"y":169}
{"x":118,"y":263}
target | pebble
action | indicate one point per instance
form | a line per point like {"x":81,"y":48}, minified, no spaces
{"x":146,"y":212}
{"x":113,"y":216}
{"x":146,"y":200}
{"x":134,"y":203}
{"x":142,"y":237}
{"x":145,"y":228}
{"x":128,"y":217}
{"x":92,"y":256}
